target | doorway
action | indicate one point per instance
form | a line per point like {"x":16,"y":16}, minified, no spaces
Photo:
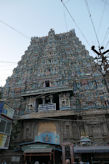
{"x":38,"y":159}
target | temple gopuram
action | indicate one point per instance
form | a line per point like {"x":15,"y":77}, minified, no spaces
{"x":61,"y":104}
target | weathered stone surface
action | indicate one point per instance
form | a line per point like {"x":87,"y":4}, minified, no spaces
{"x":62,"y":60}
{"x":57,"y":69}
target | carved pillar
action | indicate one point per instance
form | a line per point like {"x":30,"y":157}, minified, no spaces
{"x":43,"y":100}
{"x":51,"y":99}
{"x":36,"y":105}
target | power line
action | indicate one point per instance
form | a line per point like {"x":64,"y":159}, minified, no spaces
{"x":11,"y":62}
{"x":75,"y":22}
{"x":104,"y":2}
{"x":92,"y":67}
{"x":70,"y":59}
{"x":67,"y":1}
{"x":90,"y":16}
{"x":107,"y":44}
{"x":14,"y":29}
{"x":102,"y":16}
{"x":65,"y":22}
{"x":106,"y":35}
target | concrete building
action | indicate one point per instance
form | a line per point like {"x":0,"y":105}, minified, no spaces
{"x":61,"y":102}
{"x":6,"y":116}
{"x":1,"y":92}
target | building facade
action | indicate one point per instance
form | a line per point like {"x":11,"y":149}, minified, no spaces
{"x":6,"y":117}
{"x":61,"y":101}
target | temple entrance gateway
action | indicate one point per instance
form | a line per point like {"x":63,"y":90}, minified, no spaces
{"x":38,"y":157}
{"x":41,"y":154}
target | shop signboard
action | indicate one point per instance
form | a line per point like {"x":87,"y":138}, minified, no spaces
{"x":6,"y":114}
{"x":15,"y":159}
{"x":9,"y":112}
{"x":36,"y":146}
{"x":1,"y":107}
{"x":6,"y":110}
{"x":5,"y":125}
{"x":4,"y":141}
{"x":46,"y":107}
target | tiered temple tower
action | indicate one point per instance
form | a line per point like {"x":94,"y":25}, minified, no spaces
{"x":54,"y":64}
{"x":58,"y":93}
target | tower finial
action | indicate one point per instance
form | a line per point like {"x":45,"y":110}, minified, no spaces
{"x":51,"y":32}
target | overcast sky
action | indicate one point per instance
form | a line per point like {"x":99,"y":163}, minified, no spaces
{"x":37,"y":17}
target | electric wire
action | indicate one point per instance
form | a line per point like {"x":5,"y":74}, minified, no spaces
{"x":93,"y":68}
{"x":65,"y":21}
{"x":11,"y":62}
{"x":90,"y":16}
{"x":29,"y":38}
{"x":105,"y":36}
{"x":107,"y":44}
{"x":107,"y":3}
{"x":67,"y":1}
{"x":102,"y":16}
{"x":75,"y":23}
{"x":14,"y":29}
{"x":70,"y":61}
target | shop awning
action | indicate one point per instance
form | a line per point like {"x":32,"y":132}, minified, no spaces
{"x":91,"y":149}
{"x":45,"y":150}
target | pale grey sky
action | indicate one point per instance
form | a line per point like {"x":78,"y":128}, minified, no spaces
{"x":37,"y":17}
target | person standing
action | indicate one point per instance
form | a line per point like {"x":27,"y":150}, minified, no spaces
{"x":36,"y":162}
{"x":81,"y":162}
{"x":67,"y":161}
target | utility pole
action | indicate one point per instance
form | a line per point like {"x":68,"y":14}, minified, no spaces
{"x":103,"y":62}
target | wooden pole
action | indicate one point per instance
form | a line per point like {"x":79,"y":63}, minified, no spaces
{"x":72,"y":153}
{"x":54,"y":157}
{"x":30,"y":158}
{"x":25,"y":158}
{"x":63,"y":154}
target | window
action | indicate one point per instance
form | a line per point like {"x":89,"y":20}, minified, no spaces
{"x":2,"y":125}
{"x":67,"y":131}
{"x":49,"y":70}
{"x":27,"y":133}
{"x":8,"y":128}
{"x":63,"y":103}
{"x":47,"y":84}
{"x":49,"y":60}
